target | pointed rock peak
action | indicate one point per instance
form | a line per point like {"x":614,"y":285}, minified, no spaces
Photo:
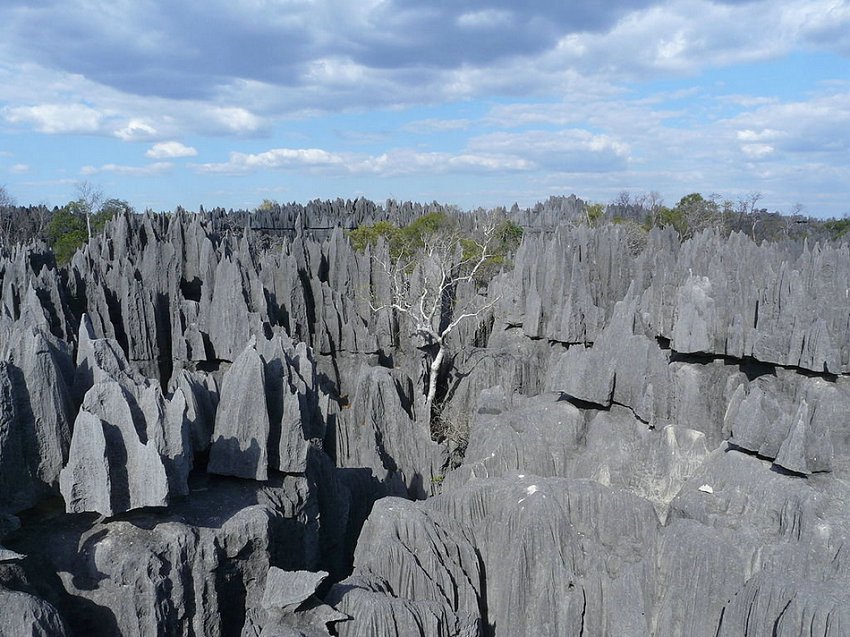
{"x":289,"y":589}
{"x":32,"y":312}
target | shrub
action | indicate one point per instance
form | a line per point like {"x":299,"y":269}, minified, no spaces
{"x":66,"y":233}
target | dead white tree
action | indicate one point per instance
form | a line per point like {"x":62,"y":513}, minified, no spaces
{"x":424,"y":285}
{"x":6,"y":218}
{"x":89,"y":198}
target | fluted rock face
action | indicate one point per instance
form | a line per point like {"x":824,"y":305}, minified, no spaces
{"x":421,"y":555}
{"x":193,"y":570}
{"x":130,"y":450}
{"x":786,"y":531}
{"x":374,"y":611}
{"x":16,"y":479}
{"x":632,"y":439}
{"x":37,"y":408}
{"x":240,"y":439}
{"x":290,"y":607}
{"x":25,"y":614}
{"x":561,"y":556}
{"x":269,"y":411}
{"x":381,"y":431}
{"x":131,"y":446}
{"x":799,"y":421}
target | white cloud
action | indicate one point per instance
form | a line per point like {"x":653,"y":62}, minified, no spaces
{"x":19,"y":169}
{"x":486,"y":19}
{"x":170,"y":150}
{"x":136,"y":130}
{"x":150,"y":170}
{"x":276,"y":158}
{"x":235,"y":119}
{"x":408,"y":162}
{"x":568,"y":150}
{"x":424,"y":126}
{"x":395,"y":162}
{"x":56,"y":118}
{"x":819,"y":126}
{"x":757,"y":151}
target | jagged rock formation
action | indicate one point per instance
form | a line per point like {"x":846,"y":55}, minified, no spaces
{"x":131,"y":445}
{"x":205,"y":429}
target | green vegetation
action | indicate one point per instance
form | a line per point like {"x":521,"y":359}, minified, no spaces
{"x":405,"y":242}
{"x":594,"y":212}
{"x":429,"y":260}
{"x":837,"y":228}
{"x":66,"y":232}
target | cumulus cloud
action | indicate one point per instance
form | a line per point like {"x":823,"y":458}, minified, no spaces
{"x":136,"y":130}
{"x":56,"y":118}
{"x":276,"y":158}
{"x":392,"y":163}
{"x":567,"y":86}
{"x":569,"y":150}
{"x":819,"y":126}
{"x":485,"y":19}
{"x":170,"y":150}
{"x":198,"y":51}
{"x":235,"y":119}
{"x":150,"y":170}
{"x":233,"y":67}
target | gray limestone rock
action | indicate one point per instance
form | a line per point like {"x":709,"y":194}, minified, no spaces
{"x":539,"y":436}
{"x":662,"y":351}
{"x":698,"y":568}
{"x":422,"y":556}
{"x":582,"y":551}
{"x":269,"y":412}
{"x":131,"y":446}
{"x":375,"y":612}
{"x":241,"y":436}
{"x":694,"y":317}
{"x":196,"y":569}
{"x":289,"y":606}
{"x":17,"y":489}
{"x":38,"y":373}
{"x":622,"y":366}
{"x":128,"y":451}
{"x":791,"y":418}
{"x":99,"y":359}
{"x":292,"y":398}
{"x":227,"y":317}
{"x":201,"y":394}
{"x":287,"y":590}
{"x":380,"y":431}
{"x":24,"y":614}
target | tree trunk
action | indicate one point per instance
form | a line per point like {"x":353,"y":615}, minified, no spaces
{"x":432,"y":378}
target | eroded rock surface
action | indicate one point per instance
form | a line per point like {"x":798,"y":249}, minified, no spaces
{"x":206,"y":429}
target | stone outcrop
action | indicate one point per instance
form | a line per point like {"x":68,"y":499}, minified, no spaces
{"x":131,"y":446}
{"x":637,"y":438}
{"x":269,"y":412}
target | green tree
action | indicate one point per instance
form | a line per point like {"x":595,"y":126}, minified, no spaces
{"x":110,"y":209}
{"x":593,"y":212}
{"x":268,"y":205}
{"x":67,"y":232}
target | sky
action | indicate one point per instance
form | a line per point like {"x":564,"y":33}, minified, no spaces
{"x":475,"y":103}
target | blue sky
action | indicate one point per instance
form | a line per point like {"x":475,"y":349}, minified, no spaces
{"x":475,"y":103}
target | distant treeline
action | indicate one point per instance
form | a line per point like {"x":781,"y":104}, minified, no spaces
{"x":68,"y":227}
